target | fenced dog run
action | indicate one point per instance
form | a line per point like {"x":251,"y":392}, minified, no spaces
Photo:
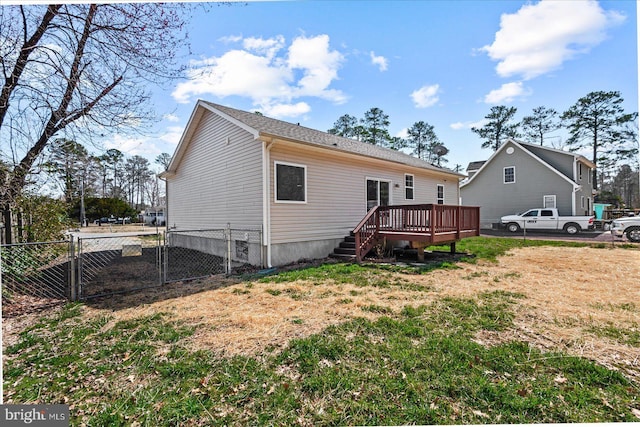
{"x":89,"y":266}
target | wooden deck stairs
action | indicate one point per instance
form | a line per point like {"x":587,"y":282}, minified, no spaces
{"x":346,"y":250}
{"x":421,"y":225}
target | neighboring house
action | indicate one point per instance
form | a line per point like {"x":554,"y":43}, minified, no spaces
{"x":153,"y":216}
{"x":520,"y":176}
{"x":305,"y":189}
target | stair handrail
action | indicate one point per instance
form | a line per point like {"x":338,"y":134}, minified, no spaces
{"x":366,"y":237}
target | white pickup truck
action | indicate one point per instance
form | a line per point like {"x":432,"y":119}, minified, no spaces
{"x":546,"y":219}
{"x":629,"y":226}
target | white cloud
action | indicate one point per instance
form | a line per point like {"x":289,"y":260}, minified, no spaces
{"x":171,"y":118}
{"x":230,"y":39}
{"x":403,"y":133}
{"x":426,"y":96}
{"x":540,"y":37}
{"x":172,"y":135}
{"x":507,"y":93}
{"x":286,"y":110}
{"x":272,"y":77}
{"x":144,"y":147}
{"x":379,"y":61}
{"x":468,"y":125}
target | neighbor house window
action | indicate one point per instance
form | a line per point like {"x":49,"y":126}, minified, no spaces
{"x":589,"y":175}
{"x":440,"y":196}
{"x":290,"y":183}
{"x":582,"y":202}
{"x":549,"y":201}
{"x":580,"y":171}
{"x":408,"y":187}
{"x":509,"y":175}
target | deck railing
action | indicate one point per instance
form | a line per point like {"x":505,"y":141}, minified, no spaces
{"x":431,"y":223}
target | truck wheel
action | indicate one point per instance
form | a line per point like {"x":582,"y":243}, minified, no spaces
{"x":633,"y":234}
{"x":513,"y":227}
{"x":572,"y":228}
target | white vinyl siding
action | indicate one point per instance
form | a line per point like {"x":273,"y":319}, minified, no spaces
{"x":219,"y":179}
{"x":336,"y":192}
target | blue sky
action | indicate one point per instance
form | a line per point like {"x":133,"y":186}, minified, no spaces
{"x":443,"y":62}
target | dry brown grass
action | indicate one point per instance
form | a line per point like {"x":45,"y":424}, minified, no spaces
{"x":566,"y":291}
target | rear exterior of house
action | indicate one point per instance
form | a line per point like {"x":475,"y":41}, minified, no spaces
{"x":304,"y":189}
{"x":520,"y":176}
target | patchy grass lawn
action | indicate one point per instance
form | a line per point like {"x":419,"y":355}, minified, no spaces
{"x":518,"y":335}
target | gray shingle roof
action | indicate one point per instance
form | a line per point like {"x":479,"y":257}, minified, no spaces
{"x":294,"y":132}
{"x":474,"y":166}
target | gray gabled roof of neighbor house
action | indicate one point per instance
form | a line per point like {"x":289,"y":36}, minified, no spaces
{"x":474,"y":166}
{"x":523,"y":146}
{"x":262,"y":126}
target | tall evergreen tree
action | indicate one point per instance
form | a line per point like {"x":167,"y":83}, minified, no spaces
{"x":345,"y":126}
{"x":376,"y":123}
{"x":541,"y":122}
{"x":422,"y":139}
{"x":598,"y":122}
{"x":498,"y":127}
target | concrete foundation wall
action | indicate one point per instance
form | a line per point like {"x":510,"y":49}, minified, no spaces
{"x":251,"y":253}
{"x":286,"y":253}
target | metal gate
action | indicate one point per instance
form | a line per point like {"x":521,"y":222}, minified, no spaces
{"x":111,"y":265}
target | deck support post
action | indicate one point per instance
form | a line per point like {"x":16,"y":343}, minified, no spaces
{"x":452,"y":248}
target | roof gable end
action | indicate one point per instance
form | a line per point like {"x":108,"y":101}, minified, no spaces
{"x":521,"y":146}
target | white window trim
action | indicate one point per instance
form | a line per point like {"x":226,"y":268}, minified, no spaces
{"x":544,"y":198}
{"x":579,"y":171}
{"x":412,"y":187}
{"x":582,"y":200}
{"x":275,"y":183}
{"x":589,"y":175}
{"x":438,"y":186}
{"x":504,"y":170}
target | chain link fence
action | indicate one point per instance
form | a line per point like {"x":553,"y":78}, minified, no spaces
{"x":85,"y":267}
{"x":194,"y":254}
{"x":42,"y":270}
{"x":117,"y":264}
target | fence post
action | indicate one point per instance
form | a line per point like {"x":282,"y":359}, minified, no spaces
{"x":72,"y":269}
{"x":167,"y":238}
{"x":228,"y":236}
{"x":159,"y":258}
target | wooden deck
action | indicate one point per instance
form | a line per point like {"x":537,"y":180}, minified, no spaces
{"x":422,"y":225}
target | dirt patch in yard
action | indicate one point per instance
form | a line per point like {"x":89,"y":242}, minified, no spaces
{"x":574,"y":299}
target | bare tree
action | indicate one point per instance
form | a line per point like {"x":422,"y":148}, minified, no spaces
{"x":77,"y":70}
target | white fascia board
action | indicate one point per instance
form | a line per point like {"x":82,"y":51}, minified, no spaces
{"x":254,"y":132}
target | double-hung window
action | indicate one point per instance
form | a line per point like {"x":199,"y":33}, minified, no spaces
{"x":509,"y":176}
{"x":408,"y":187}
{"x":290,"y":183}
{"x":440,"y":194}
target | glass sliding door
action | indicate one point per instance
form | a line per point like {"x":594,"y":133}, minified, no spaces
{"x":378,"y":193}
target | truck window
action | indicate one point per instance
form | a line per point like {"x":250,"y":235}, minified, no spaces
{"x":547,"y":213}
{"x":533,"y":212}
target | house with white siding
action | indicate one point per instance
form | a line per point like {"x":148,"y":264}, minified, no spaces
{"x":305,"y":189}
{"x":521,"y":176}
